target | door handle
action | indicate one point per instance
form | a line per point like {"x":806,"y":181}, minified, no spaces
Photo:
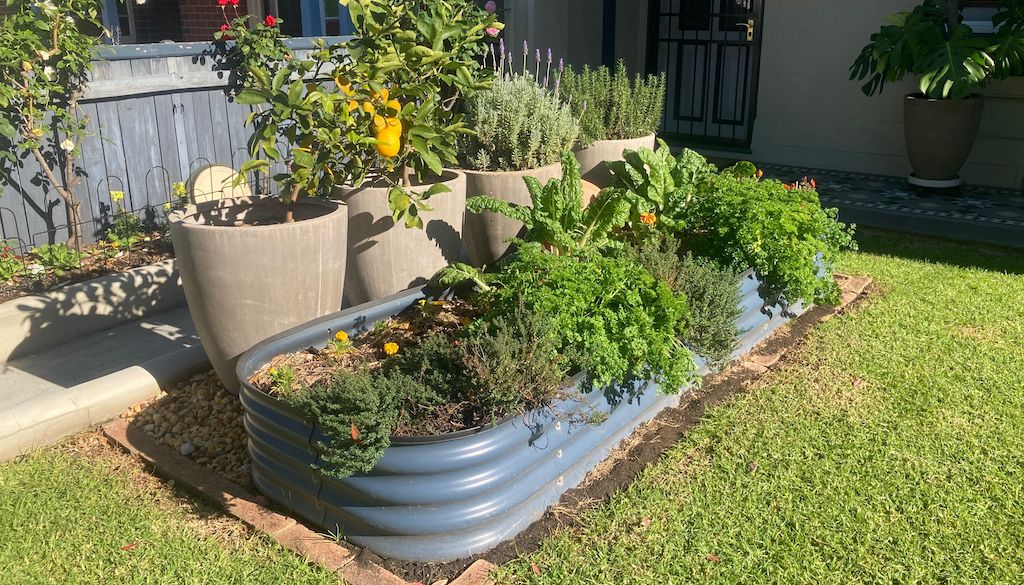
{"x":749,"y":25}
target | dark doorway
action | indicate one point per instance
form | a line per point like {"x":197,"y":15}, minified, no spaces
{"x":711,"y":53}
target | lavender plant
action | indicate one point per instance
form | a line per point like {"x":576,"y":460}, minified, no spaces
{"x":518,"y":124}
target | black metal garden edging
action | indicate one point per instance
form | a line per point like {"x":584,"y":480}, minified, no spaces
{"x":450,"y":496}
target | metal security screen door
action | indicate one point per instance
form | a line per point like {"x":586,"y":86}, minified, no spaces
{"x":710,"y":51}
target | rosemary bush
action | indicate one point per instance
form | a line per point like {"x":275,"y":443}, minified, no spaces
{"x":518,"y":126}
{"x":610,"y":105}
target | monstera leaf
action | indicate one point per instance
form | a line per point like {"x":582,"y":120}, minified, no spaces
{"x":951,"y":60}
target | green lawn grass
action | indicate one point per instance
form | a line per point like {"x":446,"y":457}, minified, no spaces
{"x":95,"y":517}
{"x":888,"y":449}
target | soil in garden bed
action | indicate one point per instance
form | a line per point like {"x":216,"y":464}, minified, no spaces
{"x":386,"y":342}
{"x":99,"y":259}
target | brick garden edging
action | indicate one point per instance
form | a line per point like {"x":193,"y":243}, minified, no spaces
{"x":357,"y":566}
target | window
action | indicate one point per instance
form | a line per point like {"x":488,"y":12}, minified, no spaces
{"x":978,"y":15}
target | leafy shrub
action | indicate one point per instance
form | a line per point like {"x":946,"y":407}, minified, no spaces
{"x":711,"y":291}
{"x":57,"y":258}
{"x":780,"y":231}
{"x":555,"y":217}
{"x":10,"y":265}
{"x":126,"y":228}
{"x":356,"y":412}
{"x":518,"y":125}
{"x":615,"y":107}
{"x":612,"y":317}
{"x":739,"y":220}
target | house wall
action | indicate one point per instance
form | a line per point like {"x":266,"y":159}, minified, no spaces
{"x":809,"y":113}
{"x":201,"y":18}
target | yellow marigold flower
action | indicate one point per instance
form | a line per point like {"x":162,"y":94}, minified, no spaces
{"x":391,"y":348}
{"x":648,"y":218}
{"x":341,"y":336}
{"x":272,"y":371}
{"x":117,"y":195}
{"x":115,"y":244}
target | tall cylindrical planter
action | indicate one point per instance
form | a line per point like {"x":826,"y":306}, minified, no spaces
{"x":384,"y":258}
{"x":592,"y":158}
{"x":940,"y":135}
{"x":247,"y":277}
{"x":487,"y":234}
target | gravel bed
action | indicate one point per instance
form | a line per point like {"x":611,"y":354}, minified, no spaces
{"x":202,"y":421}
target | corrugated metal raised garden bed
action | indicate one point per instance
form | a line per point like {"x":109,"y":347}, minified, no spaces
{"x":450,"y":496}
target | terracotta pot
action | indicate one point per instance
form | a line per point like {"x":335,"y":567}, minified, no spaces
{"x":384,"y":258}
{"x":488,"y":234}
{"x":940,"y":134}
{"x":592,"y":158}
{"x":247,"y":277}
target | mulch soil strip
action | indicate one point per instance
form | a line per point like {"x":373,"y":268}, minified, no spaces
{"x":636,"y":453}
{"x":93,"y":266}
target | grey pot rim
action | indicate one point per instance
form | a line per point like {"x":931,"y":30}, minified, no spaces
{"x":377,"y":182}
{"x":524,"y":172}
{"x":920,"y":97}
{"x":612,"y":140}
{"x":186,"y":217}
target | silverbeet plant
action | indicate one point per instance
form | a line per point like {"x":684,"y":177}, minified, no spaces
{"x":556,"y":218}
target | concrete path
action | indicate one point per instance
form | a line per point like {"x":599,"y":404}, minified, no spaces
{"x":90,"y":379}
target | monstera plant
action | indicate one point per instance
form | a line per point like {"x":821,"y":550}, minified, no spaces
{"x":952,"y":63}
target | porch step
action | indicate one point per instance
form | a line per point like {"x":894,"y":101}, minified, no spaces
{"x":54,"y":392}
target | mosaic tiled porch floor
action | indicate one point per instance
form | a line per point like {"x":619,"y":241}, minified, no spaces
{"x":985,"y":214}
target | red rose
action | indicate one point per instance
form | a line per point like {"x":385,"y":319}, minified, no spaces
{"x":222,"y":2}
{"x":234,"y":2}
{"x":224,"y":27}
{"x":270,"y":20}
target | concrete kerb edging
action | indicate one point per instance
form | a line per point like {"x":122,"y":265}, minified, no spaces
{"x":34,"y":322}
{"x":52,"y":416}
{"x":353,"y":564}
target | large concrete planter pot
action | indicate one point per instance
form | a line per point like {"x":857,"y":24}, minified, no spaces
{"x":940,"y":135}
{"x":445,"y":497}
{"x":384,"y":258}
{"x":487,"y":234}
{"x":247,"y":277}
{"x":592,"y":158}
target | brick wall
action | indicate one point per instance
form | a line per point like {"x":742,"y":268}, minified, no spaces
{"x":201,"y":18}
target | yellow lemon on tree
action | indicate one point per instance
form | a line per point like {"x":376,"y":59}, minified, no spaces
{"x":382,"y":95}
{"x":368,"y":108}
{"x":394,"y":105}
{"x":353,"y":105}
{"x":389,"y":140}
{"x":379,"y":123}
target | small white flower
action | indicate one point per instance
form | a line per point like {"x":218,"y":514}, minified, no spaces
{"x":35,"y":269}
{"x":49,"y":72}
{"x":47,"y":6}
{"x":67,"y":145}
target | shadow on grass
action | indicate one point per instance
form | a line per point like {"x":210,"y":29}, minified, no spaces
{"x":941,"y":251}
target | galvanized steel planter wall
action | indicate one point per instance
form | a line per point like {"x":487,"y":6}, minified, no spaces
{"x":451,"y":496}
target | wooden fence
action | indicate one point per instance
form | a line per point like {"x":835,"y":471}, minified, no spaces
{"x":155,"y":114}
